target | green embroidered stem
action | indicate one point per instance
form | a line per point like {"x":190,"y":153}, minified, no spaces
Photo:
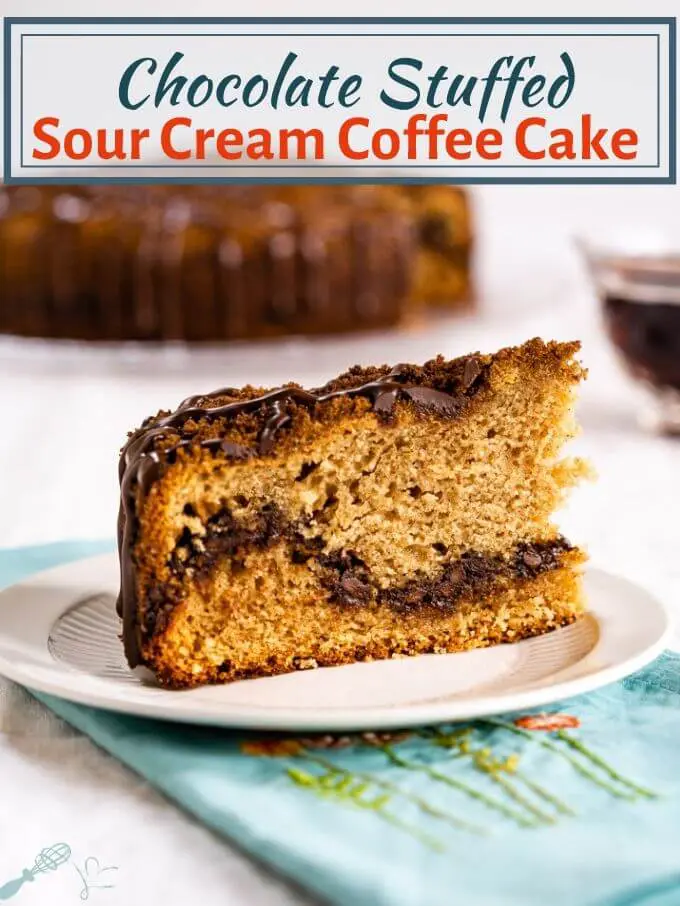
{"x":459,"y":741}
{"x":424,"y":838}
{"x":484,"y":761}
{"x":607,"y":768}
{"x":553,"y":747}
{"x":345,"y":789}
{"x":459,"y":785}
{"x":540,"y":791}
{"x":422,"y":804}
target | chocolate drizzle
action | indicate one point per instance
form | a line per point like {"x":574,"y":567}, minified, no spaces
{"x":141,"y":464}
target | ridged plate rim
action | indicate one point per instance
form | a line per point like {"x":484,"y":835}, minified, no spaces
{"x":626,"y":628}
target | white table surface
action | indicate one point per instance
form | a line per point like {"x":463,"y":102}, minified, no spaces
{"x":66,"y":412}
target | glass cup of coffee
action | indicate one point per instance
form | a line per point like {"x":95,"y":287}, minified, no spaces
{"x":640,"y":295}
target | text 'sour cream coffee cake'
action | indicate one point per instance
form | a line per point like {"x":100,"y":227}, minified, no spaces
{"x":394,"y":511}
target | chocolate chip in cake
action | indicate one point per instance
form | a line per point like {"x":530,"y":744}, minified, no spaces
{"x":471,"y":372}
{"x":307,"y":469}
{"x":434,"y":232}
{"x":354,"y":590}
{"x":236,"y":451}
{"x":532,"y":559}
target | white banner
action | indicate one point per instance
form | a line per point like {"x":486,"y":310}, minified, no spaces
{"x":492,"y":100}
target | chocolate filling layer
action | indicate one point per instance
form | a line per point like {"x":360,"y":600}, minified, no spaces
{"x":343,"y":573}
{"x":142,"y":462}
{"x":225,"y":536}
{"x":350,"y":583}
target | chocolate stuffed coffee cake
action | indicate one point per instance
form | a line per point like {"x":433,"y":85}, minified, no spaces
{"x":226,"y":262}
{"x":394,"y":511}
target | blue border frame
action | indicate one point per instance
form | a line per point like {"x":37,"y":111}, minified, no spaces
{"x":668,"y":21}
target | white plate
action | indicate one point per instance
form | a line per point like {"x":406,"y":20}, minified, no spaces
{"x":59,"y":634}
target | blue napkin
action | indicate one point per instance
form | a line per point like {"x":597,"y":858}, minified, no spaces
{"x":581,"y":806}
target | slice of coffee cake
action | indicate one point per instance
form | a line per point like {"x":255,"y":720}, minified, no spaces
{"x":394,"y":511}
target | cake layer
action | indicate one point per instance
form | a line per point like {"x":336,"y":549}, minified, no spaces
{"x":403,"y":492}
{"x":271,"y":616}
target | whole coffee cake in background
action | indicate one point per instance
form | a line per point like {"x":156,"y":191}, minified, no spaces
{"x":394,"y":511}
{"x":205,"y":264}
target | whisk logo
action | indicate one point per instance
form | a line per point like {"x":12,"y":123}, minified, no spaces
{"x":92,"y":874}
{"x":48,"y":859}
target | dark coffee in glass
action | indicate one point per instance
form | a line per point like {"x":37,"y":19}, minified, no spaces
{"x":641,"y":300}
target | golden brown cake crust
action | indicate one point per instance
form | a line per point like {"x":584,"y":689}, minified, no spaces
{"x":455,"y":377}
{"x":398,"y":500}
